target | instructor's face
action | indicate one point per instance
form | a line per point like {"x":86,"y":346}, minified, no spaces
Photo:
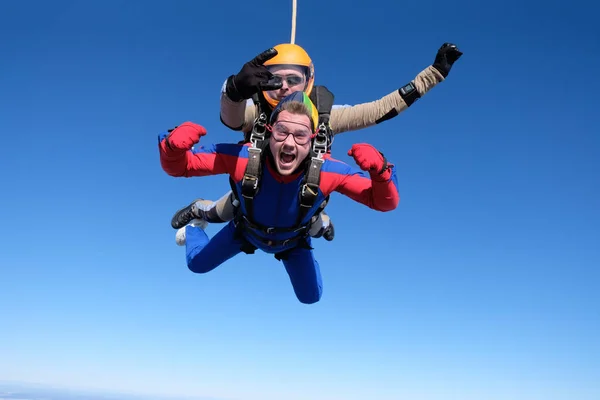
{"x":290,"y":141}
{"x":292,"y":80}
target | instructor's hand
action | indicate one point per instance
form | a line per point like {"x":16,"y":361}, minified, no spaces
{"x":253,"y":77}
{"x":446,"y":57}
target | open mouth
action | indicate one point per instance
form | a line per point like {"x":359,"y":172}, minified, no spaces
{"x":286,"y":158}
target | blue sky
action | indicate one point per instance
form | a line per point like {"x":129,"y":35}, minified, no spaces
{"x":482,"y":284}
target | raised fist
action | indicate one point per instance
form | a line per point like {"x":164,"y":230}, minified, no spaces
{"x":370,"y":159}
{"x":445,"y":58}
{"x":185,"y":136}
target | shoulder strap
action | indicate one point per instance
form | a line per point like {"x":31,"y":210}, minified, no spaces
{"x":253,"y":172}
{"x":322,"y":98}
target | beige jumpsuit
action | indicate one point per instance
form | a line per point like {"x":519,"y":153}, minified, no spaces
{"x":238,"y":115}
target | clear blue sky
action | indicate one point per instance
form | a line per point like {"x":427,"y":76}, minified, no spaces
{"x":483,"y":284}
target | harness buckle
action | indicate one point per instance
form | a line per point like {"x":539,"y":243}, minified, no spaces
{"x":254,"y":183}
{"x":306,"y":187}
{"x":321,"y":141}
{"x":258,"y":130}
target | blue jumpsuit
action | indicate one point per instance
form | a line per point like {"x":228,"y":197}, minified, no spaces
{"x":275,"y":205}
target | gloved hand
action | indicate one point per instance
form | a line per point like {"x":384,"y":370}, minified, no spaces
{"x":185,"y":136}
{"x":329,"y":232}
{"x":321,"y":226}
{"x":370,"y":159}
{"x":445,"y":58}
{"x":253,"y":76}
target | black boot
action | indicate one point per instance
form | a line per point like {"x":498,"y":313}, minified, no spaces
{"x":183,"y":216}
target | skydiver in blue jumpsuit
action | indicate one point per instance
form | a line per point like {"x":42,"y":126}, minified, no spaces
{"x":274,"y":223}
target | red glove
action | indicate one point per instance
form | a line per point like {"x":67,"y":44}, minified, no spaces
{"x":370,"y":159}
{"x":185,"y":136}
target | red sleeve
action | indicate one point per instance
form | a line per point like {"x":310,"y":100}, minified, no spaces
{"x":213,"y":160}
{"x":380,"y":195}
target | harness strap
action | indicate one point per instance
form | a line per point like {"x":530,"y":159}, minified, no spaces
{"x":310,"y":188}
{"x":323,"y":100}
{"x":273,"y":230}
{"x":250,"y":185}
{"x":284,"y":255}
{"x":238,"y":234}
{"x":253,"y":172}
{"x":276,"y":242}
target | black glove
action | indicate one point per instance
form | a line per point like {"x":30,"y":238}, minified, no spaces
{"x":329,"y":233}
{"x":253,"y":76}
{"x":446,"y":56}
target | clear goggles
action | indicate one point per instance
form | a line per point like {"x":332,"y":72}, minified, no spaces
{"x":301,"y":133}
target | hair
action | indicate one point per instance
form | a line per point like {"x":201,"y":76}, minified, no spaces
{"x":296,"y":107}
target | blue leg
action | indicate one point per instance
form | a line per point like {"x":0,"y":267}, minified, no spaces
{"x":203,"y":254}
{"x":305,"y":275}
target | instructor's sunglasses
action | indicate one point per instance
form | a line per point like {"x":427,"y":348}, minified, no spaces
{"x":292,"y":80}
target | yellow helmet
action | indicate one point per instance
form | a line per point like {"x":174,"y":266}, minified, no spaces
{"x":293,"y":55}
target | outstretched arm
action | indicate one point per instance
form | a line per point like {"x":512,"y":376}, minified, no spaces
{"x":360,"y":116}
{"x":349,"y":118}
{"x":178,"y":159}
{"x":380,"y":192}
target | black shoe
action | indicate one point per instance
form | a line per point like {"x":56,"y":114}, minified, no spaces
{"x":183,"y":216}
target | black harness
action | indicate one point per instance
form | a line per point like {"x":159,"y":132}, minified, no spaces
{"x":258,"y":137}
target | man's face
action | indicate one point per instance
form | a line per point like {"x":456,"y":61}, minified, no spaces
{"x":293,"y":80}
{"x":290,"y":141}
